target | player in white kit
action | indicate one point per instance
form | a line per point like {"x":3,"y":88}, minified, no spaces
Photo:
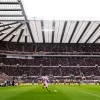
{"x":45,"y":82}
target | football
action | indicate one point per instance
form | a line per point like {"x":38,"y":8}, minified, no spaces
{"x":55,"y":90}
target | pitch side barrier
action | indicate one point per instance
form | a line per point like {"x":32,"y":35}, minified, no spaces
{"x":42,"y":66}
{"x":32,"y":56}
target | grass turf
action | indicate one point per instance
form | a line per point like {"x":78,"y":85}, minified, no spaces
{"x":64,"y":92}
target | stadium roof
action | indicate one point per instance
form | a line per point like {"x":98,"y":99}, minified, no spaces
{"x":11,"y":10}
{"x":14,"y":27}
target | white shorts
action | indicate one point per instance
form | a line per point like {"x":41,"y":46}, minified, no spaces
{"x":45,"y":84}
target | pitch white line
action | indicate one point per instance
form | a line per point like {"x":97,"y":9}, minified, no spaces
{"x":91,"y":94}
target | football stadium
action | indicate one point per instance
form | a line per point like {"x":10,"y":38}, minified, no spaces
{"x":44,"y":59}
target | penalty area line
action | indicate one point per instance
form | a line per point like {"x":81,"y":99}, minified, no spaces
{"x":91,"y":94}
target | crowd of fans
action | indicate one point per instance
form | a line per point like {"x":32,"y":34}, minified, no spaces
{"x":54,"y":71}
{"x":38,"y":66}
{"x":17,"y":47}
{"x":84,"y":71}
{"x":19,"y":71}
{"x":69,"y":47}
{"x":3,"y":76}
{"x":52,"y":61}
{"x":55,"y":48}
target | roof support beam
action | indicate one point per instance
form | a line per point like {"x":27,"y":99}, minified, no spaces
{"x":43,"y":36}
{"x":84,"y":31}
{"x":20,"y":35}
{"x":11,"y":16}
{"x":1,"y":35}
{"x":10,"y":10}
{"x":5,"y":29}
{"x":27,"y":23}
{"x":8,"y":24}
{"x":53,"y":36}
{"x":42,"y":26}
{"x":28,"y":26}
{"x":25,"y":39}
{"x":12,"y":31}
{"x":73,"y":31}
{"x":63,"y":31}
{"x":8,"y":19}
{"x":11,"y":38}
{"x":53,"y":31}
{"x":22,"y":9}
{"x":93,"y":33}
{"x":9,"y":3}
{"x":96,"y":39}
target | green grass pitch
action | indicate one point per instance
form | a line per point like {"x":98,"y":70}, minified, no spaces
{"x":64,"y":92}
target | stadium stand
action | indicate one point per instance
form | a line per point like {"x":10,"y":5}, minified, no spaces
{"x":30,"y":48}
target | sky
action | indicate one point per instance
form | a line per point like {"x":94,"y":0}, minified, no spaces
{"x":62,"y":9}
